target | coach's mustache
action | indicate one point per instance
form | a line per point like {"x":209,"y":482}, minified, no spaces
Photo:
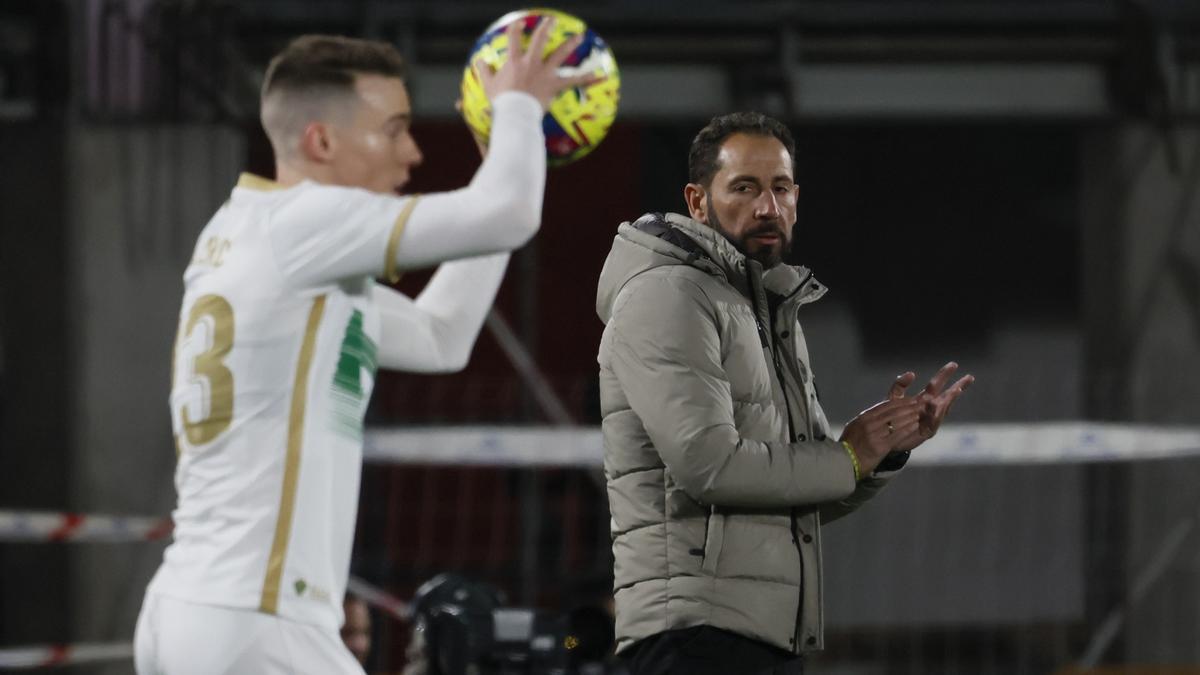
{"x":769,"y":227}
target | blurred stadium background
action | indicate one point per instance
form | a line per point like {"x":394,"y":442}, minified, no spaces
{"x":1012,"y":184}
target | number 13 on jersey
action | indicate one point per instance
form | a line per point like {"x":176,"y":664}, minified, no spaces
{"x":205,"y":408}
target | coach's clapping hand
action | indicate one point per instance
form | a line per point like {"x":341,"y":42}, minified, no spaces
{"x":872,"y":434}
{"x":901,"y":423}
{"x":935,"y":401}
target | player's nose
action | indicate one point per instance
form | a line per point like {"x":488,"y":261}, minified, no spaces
{"x":410,"y":155}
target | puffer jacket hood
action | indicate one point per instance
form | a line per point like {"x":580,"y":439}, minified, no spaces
{"x":638,"y":247}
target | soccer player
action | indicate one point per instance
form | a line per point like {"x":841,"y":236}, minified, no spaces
{"x":281,"y":331}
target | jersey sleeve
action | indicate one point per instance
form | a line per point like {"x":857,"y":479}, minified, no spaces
{"x":436,"y":332}
{"x":327,"y":233}
{"x":501,"y":208}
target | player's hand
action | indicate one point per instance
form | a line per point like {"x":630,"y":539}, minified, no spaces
{"x":874,"y":431}
{"x":525,"y":69}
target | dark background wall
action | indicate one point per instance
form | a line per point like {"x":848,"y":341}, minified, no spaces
{"x":1010,"y":184}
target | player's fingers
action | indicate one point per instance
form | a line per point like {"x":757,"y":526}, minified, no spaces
{"x":515,"y":50}
{"x":563,"y":51}
{"x":537,"y":42}
{"x":583,"y":80}
{"x":901,"y":384}
{"x":483,"y":71}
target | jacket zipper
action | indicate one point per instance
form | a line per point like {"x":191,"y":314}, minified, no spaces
{"x":770,"y":343}
{"x":792,"y":438}
{"x":795,"y":526}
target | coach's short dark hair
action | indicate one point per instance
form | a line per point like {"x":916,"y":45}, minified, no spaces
{"x":702,"y":158}
{"x":316,"y":61}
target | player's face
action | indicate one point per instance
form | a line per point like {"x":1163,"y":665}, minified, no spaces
{"x":375,"y":149}
{"x":752,"y":197}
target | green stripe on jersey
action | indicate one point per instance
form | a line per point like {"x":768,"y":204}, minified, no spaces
{"x":349,"y":398}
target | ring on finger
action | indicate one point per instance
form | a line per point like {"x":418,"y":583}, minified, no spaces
{"x":890,"y":427}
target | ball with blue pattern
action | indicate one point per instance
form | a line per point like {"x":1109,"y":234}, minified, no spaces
{"x":578,"y":118}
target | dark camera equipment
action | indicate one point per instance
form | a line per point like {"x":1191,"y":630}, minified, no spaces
{"x":466,"y":630}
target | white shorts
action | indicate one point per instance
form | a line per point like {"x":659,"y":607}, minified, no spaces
{"x":175,"y":637}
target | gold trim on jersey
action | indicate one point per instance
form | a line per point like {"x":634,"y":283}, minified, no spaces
{"x":174,"y":370}
{"x":253,"y":182}
{"x":389,"y":262}
{"x":291,"y":469}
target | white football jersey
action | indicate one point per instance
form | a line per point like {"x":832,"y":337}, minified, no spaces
{"x":274,"y":364}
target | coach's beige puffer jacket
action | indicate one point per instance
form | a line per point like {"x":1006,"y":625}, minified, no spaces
{"x":716,"y":495}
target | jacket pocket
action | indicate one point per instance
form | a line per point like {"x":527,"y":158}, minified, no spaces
{"x":714,"y":539}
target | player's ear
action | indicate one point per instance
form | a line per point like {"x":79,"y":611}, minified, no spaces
{"x":317,"y":143}
{"x":694,"y":196}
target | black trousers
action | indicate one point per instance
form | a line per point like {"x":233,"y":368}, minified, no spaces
{"x":704,"y":650}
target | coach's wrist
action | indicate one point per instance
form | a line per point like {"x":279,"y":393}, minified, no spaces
{"x":853,"y":460}
{"x":893,"y":461}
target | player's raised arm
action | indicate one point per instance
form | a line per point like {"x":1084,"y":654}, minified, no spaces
{"x":436,"y":332}
{"x":350,"y":141}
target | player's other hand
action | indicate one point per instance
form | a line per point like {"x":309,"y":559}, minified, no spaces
{"x":874,"y":431}
{"x":525,"y":69}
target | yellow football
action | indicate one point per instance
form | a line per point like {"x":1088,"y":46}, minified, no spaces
{"x":579,"y":117}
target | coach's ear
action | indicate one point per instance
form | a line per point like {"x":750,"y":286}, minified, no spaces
{"x":694,"y":196}
{"x":317,"y":143}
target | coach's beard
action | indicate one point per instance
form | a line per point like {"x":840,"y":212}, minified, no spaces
{"x":768,"y":255}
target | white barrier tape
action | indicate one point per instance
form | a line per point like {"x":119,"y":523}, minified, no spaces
{"x":42,"y":526}
{"x":486,"y":446}
{"x":42,"y":656}
{"x":1016,"y":443}
{"x":1057,"y":443}
{"x":379,"y":598}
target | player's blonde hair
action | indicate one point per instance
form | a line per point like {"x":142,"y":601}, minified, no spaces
{"x":312,"y":75}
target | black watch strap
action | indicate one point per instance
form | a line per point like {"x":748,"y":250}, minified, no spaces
{"x":894,"y":461}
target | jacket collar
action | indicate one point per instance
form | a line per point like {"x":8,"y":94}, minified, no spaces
{"x":789,"y":282}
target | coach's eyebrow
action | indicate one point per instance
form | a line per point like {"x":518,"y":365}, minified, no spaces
{"x":744,"y":178}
